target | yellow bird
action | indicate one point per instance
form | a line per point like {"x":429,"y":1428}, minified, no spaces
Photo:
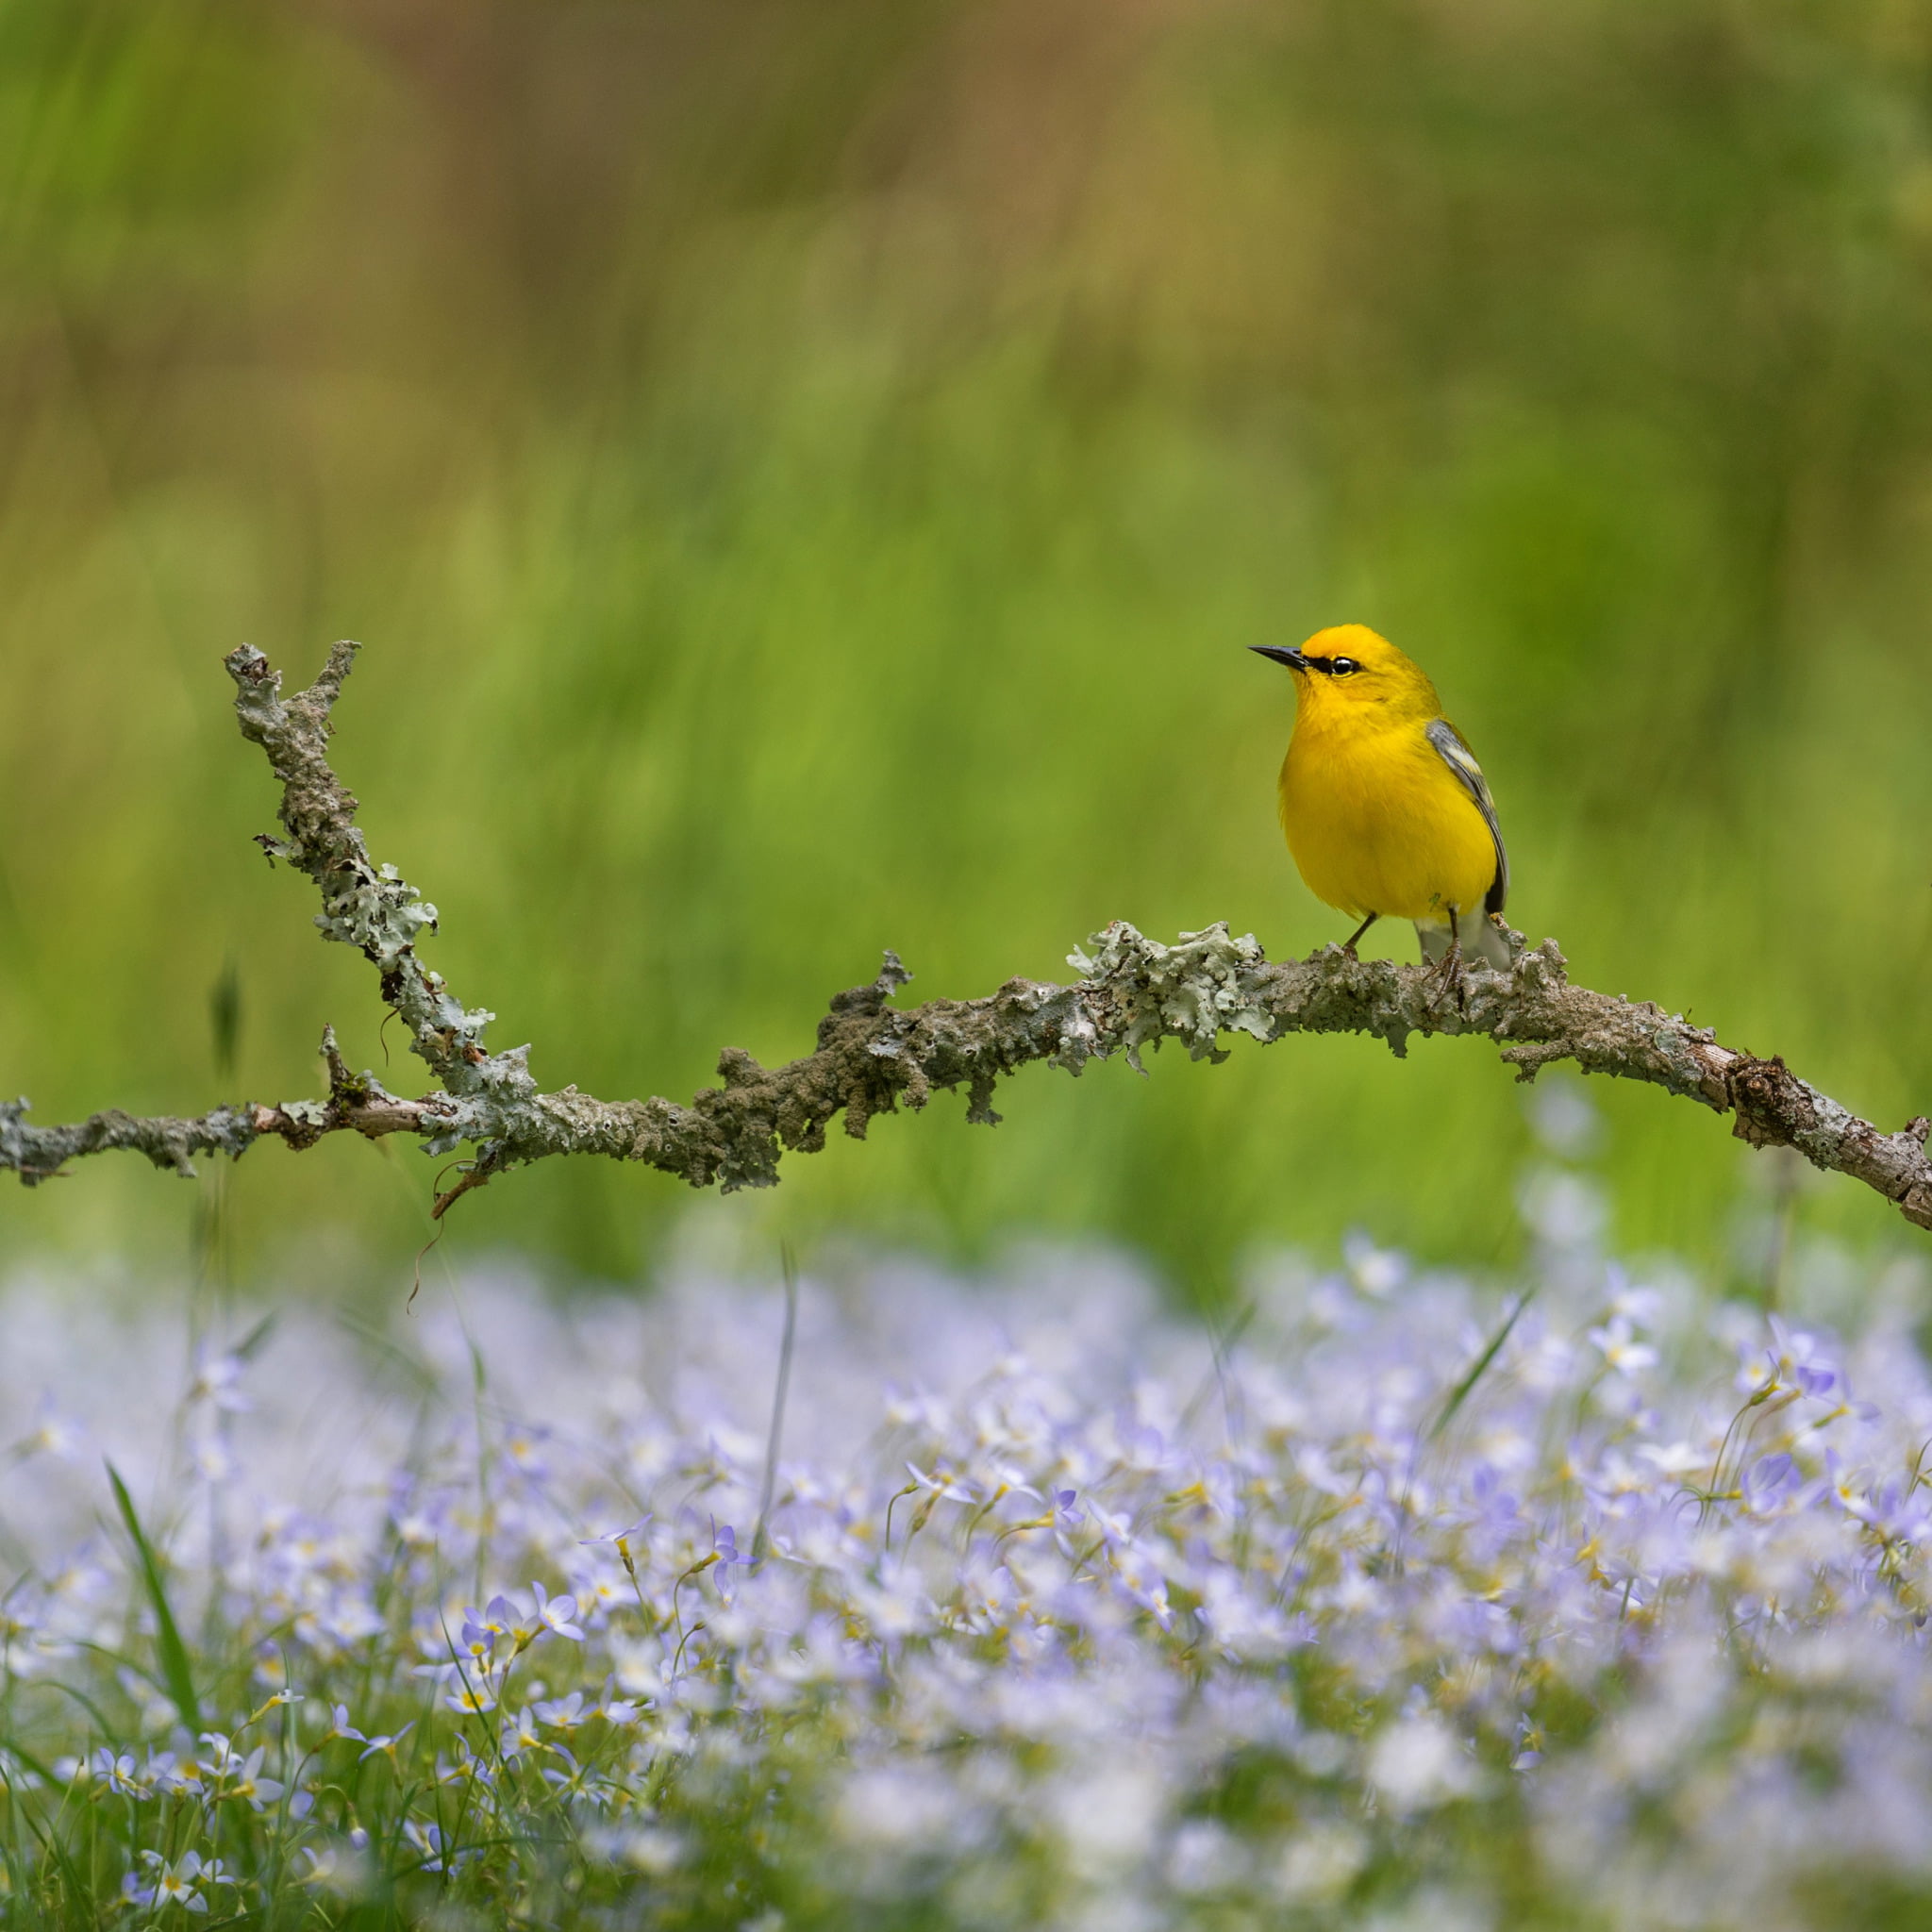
{"x":1385,"y":807}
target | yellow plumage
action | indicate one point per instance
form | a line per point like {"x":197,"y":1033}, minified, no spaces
{"x":1386,"y":810}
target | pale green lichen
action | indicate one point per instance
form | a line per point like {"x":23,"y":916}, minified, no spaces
{"x":383,"y":916}
{"x":1192,"y":992}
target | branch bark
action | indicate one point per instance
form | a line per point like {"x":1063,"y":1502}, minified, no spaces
{"x":872,"y":1057}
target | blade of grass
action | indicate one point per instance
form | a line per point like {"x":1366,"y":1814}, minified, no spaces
{"x":80,"y":1697}
{"x":50,"y":1841}
{"x":1459,"y":1394}
{"x":256,"y":1339}
{"x":790,"y":1263}
{"x":172,"y":1652}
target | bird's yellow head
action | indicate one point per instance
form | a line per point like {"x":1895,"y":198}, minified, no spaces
{"x":1350,"y":669}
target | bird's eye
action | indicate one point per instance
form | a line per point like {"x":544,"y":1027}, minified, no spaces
{"x":1342,"y":667}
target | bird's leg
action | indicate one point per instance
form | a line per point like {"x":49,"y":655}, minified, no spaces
{"x":1357,"y":934}
{"x":1448,"y":970}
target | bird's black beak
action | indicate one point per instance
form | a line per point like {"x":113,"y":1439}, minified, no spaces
{"x":1282,"y":655}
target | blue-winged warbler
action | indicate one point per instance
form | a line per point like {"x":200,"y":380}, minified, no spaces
{"x":1385,"y":806}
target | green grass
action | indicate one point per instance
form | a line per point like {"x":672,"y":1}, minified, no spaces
{"x":804,"y":488}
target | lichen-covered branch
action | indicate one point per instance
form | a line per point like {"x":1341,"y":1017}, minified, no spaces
{"x":357,"y":1102}
{"x":874,"y":1056}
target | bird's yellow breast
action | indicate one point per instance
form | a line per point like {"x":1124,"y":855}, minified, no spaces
{"x":1378,"y":822}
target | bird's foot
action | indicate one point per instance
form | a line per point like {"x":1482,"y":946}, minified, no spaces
{"x":1449,"y":977}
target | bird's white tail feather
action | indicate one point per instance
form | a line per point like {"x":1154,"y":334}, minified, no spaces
{"x":1480,"y":940}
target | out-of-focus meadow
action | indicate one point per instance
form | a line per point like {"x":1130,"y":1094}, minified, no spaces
{"x":804,"y":477}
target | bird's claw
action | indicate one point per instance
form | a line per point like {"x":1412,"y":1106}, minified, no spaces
{"x":1448,"y":974}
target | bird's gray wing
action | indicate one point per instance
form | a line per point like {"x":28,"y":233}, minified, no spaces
{"x":1461,"y":760}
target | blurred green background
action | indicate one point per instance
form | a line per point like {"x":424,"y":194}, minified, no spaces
{"x":805,"y":475}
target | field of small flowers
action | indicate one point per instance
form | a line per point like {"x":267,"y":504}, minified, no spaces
{"x":1392,"y":1600}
